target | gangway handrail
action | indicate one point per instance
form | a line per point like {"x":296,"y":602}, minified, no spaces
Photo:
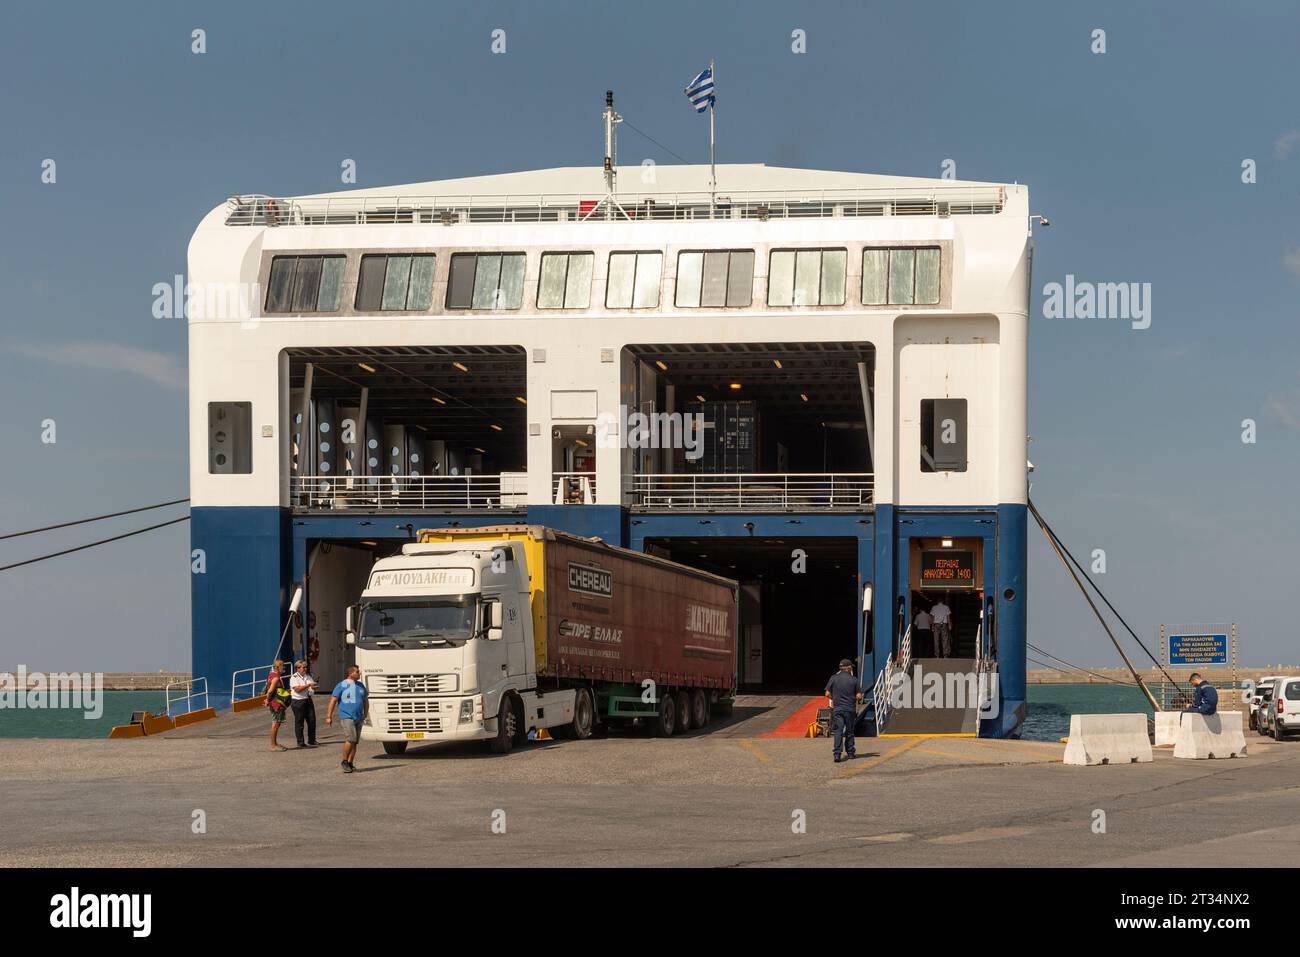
{"x":252,"y":683}
{"x":190,"y":687}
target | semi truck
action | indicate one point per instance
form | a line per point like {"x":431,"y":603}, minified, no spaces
{"x":496,"y":633}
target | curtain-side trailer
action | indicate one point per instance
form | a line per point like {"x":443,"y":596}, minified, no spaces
{"x":490,"y":633}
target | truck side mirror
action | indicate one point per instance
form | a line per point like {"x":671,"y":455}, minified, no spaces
{"x":493,"y":615}
{"x":350,"y":625}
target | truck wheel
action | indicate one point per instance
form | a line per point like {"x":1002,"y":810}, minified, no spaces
{"x":584,"y":717}
{"x":699,"y":708}
{"x":394,"y":747}
{"x":684,"y":722}
{"x":507,"y":727}
{"x":664,"y":723}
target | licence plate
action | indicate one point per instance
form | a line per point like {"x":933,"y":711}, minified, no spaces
{"x":414,"y":735}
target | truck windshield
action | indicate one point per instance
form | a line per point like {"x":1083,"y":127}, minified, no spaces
{"x":398,"y":623}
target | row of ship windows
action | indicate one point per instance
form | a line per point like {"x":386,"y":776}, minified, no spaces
{"x":388,"y":282}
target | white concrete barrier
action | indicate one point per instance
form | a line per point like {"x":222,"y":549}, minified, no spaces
{"x":1167,"y":728}
{"x":1108,"y":739}
{"x":1210,"y":736}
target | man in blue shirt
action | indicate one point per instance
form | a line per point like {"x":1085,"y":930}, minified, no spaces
{"x":843,"y":695}
{"x":1205,"y":699}
{"x":352,"y":702}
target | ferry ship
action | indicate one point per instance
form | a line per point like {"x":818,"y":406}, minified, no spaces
{"x":838,"y":361}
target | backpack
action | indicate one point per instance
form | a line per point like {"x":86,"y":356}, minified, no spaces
{"x":280,"y":696}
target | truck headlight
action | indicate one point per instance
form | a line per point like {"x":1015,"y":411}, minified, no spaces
{"x":467,"y":711}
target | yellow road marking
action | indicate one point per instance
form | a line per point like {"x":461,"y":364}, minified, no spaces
{"x":753,"y":749}
{"x":869,"y":763}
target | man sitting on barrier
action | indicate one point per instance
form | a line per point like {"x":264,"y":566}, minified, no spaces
{"x":1205,"y":699}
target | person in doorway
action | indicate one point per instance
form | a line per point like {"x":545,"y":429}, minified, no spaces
{"x":942,"y":616}
{"x":276,"y":699}
{"x":843,"y":695}
{"x":922,"y":635}
{"x":302,"y":686}
{"x":352,"y":702}
{"x":1205,"y":698}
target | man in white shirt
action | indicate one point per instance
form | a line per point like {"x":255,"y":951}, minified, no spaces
{"x":922,"y":636}
{"x":302,"y":686}
{"x":942,"y":616}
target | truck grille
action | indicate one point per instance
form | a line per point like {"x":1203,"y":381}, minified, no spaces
{"x":411,"y":707}
{"x":399,"y":725}
{"x":413,"y":684}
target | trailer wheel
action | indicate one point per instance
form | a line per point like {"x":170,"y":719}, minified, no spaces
{"x":684,"y":722}
{"x":507,"y":727}
{"x":584,"y":718}
{"x":394,"y":747}
{"x":699,"y":708}
{"x":664,"y":723}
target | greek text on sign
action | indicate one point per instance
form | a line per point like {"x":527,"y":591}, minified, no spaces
{"x":711,"y":622}
{"x":947,"y":568}
{"x":591,"y":580}
{"x":423,"y":577}
{"x":1206,"y":648}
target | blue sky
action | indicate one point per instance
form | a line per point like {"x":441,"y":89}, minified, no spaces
{"x":1135,"y":154}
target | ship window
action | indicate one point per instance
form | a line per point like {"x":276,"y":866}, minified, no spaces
{"x":633,"y":281}
{"x":900,"y":276}
{"x":943,"y":435}
{"x":486,"y":281}
{"x":230,"y":438}
{"x":396,"y":283}
{"x":565,"y":281}
{"x":807,"y":277}
{"x":716,"y":278}
{"x":305,"y":283}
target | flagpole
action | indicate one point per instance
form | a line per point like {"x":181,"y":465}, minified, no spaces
{"x":713,"y":172}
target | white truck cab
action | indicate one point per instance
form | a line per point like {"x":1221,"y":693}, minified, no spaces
{"x":444,"y":639}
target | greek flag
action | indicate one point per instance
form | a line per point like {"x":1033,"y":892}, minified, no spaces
{"x":700,"y":91}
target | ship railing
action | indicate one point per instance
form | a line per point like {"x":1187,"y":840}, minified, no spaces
{"x":381,"y":492}
{"x":242,"y":688}
{"x":183,"y":696}
{"x":753,"y":491}
{"x":905,"y":651}
{"x":880,"y":694}
{"x":632,"y":206}
{"x":573,"y":488}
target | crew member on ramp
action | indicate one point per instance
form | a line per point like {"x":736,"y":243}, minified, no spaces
{"x":843,"y":694}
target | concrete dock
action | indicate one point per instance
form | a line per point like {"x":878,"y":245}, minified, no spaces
{"x":721,"y":797}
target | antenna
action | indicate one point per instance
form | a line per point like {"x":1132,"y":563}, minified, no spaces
{"x":612,"y":119}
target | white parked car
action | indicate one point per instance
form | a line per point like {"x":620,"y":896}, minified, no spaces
{"x":1284,"y":708}
{"x":1261,"y":716}
{"x":1260,"y":686}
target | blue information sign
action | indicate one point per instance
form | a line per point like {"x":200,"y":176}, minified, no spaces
{"x":1198,"y":649}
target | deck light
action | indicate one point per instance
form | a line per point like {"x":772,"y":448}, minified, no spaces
{"x":480,"y":451}
{"x":804,"y":396}
{"x":438,"y":400}
{"x":947,"y":543}
{"x":368,"y":368}
{"x":521,"y":400}
{"x":582,"y":442}
{"x":701,"y":398}
{"x":461,"y":366}
{"x":495,"y":427}
{"x":735,"y":385}
{"x":777,"y":363}
{"x":660,"y":364}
